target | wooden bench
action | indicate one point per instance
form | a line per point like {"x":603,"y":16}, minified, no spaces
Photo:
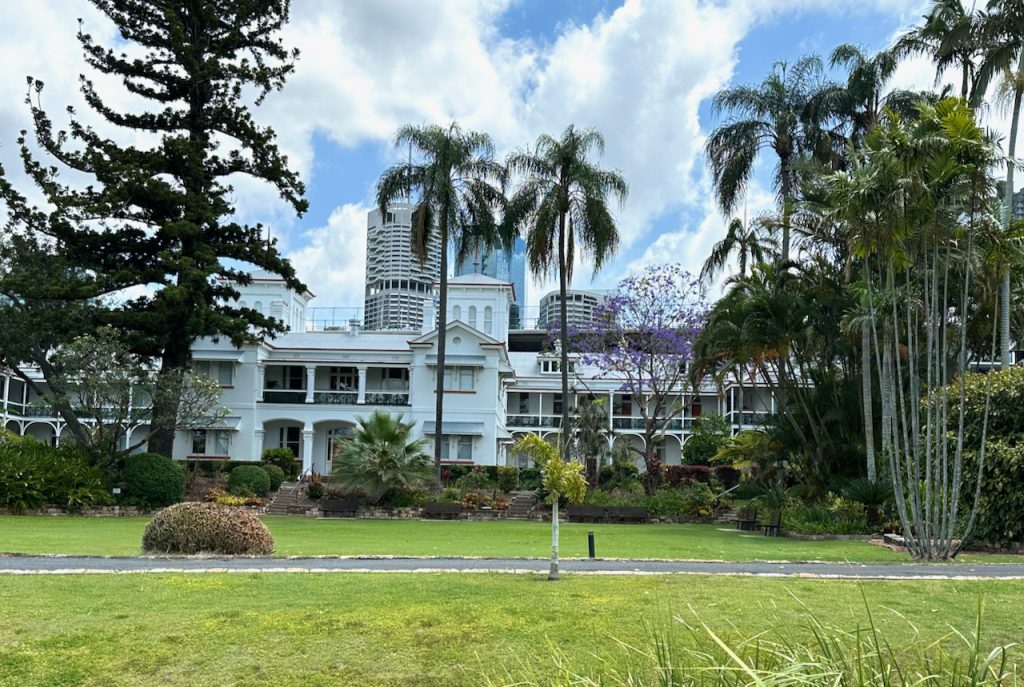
{"x":441,"y":511}
{"x":747,"y":519}
{"x":771,"y":528}
{"x":338,"y":508}
{"x":627,"y":514}
{"x":585,"y":513}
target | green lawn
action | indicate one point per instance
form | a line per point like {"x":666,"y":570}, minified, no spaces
{"x":295,"y":536}
{"x":428,"y":629}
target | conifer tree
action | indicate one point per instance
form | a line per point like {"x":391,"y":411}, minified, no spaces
{"x":163,"y":215}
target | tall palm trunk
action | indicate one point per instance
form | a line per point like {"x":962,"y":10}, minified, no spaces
{"x":442,"y":339}
{"x":553,"y":572}
{"x":564,"y":333}
{"x":786,"y":205}
{"x":1004,"y":292}
{"x":869,"y":424}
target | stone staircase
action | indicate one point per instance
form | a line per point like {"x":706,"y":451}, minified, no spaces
{"x":521,"y":505}
{"x":727,"y":517}
{"x":286,"y":497}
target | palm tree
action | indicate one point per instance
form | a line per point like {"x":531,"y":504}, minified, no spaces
{"x":460,"y":186}
{"x":1003,"y":58}
{"x":751,"y":244}
{"x":563,"y":202}
{"x":949,"y":34}
{"x":561,"y":480}
{"x":381,"y":458}
{"x":784,"y":114}
{"x":863,"y":96}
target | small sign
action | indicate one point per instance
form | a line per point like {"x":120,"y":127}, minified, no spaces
{"x":116,"y":490}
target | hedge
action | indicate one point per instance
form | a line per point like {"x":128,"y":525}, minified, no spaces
{"x":152,"y":480}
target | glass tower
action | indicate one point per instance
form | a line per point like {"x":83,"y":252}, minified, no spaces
{"x":509,"y":266}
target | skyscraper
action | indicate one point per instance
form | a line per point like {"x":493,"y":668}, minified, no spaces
{"x":396,"y":284}
{"x":507,"y":266}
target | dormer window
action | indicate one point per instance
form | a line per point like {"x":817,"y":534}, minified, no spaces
{"x":554,"y":366}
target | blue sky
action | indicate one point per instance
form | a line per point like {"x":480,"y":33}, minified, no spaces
{"x":641,"y":71}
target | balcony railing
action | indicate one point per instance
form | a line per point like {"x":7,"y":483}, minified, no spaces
{"x":336,"y":398}
{"x":387,"y":398}
{"x":627,"y":423}
{"x":282,"y":396}
{"x":523,"y":421}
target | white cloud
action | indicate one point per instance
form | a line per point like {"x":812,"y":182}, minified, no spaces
{"x":332,"y":263}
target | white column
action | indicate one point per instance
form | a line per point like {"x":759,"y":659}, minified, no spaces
{"x":7,"y":391}
{"x":310,"y":382}
{"x":307,"y":449}
{"x":261,"y":380}
{"x":257,"y":441}
{"x":611,"y":404}
{"x":361,"y":399}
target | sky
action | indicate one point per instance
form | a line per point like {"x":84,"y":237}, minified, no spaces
{"x":641,"y":71}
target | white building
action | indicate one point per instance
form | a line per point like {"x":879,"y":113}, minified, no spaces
{"x":303,"y":390}
{"x":397,"y":284}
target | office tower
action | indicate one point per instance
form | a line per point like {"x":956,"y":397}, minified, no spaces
{"x":507,"y":266}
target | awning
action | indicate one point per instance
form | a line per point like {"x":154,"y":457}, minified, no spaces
{"x":465,"y":360}
{"x":455,"y":427}
{"x":229,"y":422}
{"x":235,"y":355}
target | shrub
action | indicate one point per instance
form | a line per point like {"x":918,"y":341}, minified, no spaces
{"x":191,"y":528}
{"x":250,"y":479}
{"x":33,"y":475}
{"x":710,"y":433}
{"x":692,"y":501}
{"x":284,"y":459}
{"x":276,"y":476}
{"x":835,"y":516}
{"x":675,"y":475}
{"x":727,"y":475}
{"x":315,"y":490}
{"x":473,"y":500}
{"x":507,"y":478}
{"x":217,"y":495}
{"x":530,"y":479}
{"x":474,"y":480}
{"x":452,"y":473}
{"x":619,"y":474}
{"x":152,"y":480}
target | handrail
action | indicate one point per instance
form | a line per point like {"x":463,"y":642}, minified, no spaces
{"x":725,"y":492}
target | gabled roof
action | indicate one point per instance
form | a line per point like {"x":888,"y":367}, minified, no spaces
{"x":430,"y":337}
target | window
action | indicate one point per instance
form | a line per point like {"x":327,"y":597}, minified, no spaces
{"x":472,"y":316}
{"x":556,"y":404}
{"x":220,"y":371}
{"x":459,"y":378}
{"x":524,"y":404}
{"x":199,"y":442}
{"x":457,"y":447}
{"x":290,"y":438}
{"x":296,"y":377}
{"x":488,"y":319}
{"x":343,"y":378}
{"x":555,"y":366}
{"x":465,"y":447}
{"x":214,"y":442}
{"x":456,"y":312}
{"x":623,"y":405}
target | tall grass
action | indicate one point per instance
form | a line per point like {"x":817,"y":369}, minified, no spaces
{"x":688,"y":654}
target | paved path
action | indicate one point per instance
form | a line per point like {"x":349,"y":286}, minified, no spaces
{"x":98,"y":565}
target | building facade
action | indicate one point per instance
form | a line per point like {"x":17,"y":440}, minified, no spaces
{"x":506,"y":266}
{"x":580,"y":307}
{"x":305,"y":389}
{"x":397,"y":285}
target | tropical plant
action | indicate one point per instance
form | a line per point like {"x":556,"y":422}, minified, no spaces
{"x":562,"y":479}
{"x":784,"y":114}
{"x":562,"y":201}
{"x":710,"y":433}
{"x":872,"y":495}
{"x":949,"y":35}
{"x":458,"y":187}
{"x":750,"y":243}
{"x":381,"y":458}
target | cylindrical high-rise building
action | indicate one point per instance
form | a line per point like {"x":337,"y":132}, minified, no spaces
{"x":397,"y":284}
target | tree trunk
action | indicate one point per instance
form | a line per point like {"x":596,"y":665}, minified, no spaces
{"x":786,"y":205}
{"x":563,"y":324}
{"x":1004,"y":292}
{"x":553,"y":572}
{"x":869,"y":415}
{"x":165,"y":406}
{"x":442,"y":338}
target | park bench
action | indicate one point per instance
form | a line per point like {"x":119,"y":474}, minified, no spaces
{"x":585,"y":513}
{"x":627,"y":514}
{"x":338,"y":508}
{"x":747,"y":519}
{"x":771,"y":528}
{"x":441,"y":511}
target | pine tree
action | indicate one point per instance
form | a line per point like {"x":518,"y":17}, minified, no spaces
{"x":163,"y":215}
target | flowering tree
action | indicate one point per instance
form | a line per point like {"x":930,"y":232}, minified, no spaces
{"x":644,"y":336}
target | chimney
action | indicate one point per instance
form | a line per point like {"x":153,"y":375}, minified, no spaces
{"x":354,"y":325}
{"x":428,"y":317}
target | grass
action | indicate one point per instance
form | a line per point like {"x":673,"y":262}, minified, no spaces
{"x":428,"y":629}
{"x":295,"y":536}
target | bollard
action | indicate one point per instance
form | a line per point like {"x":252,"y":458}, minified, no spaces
{"x":590,"y":543}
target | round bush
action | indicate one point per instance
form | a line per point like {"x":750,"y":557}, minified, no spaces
{"x":276,"y":476}
{"x":284,"y":459}
{"x":249,"y":478}
{"x":153,"y":480}
{"x":191,"y":528}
